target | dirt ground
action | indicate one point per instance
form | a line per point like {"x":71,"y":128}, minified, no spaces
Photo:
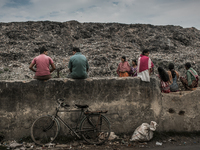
{"x":160,"y":141}
{"x":163,"y":141}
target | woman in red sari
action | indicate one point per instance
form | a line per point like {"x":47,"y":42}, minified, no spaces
{"x":123,"y":68}
{"x":145,"y":66}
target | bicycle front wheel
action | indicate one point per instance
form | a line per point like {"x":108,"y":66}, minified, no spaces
{"x":95,"y":129}
{"x":44,"y":130}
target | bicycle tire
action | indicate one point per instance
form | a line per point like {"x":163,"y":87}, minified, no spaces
{"x":44,"y":130}
{"x":95,"y":135}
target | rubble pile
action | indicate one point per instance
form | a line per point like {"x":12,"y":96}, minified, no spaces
{"x":102,"y":43}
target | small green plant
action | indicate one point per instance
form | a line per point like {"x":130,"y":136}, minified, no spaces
{"x":1,"y":71}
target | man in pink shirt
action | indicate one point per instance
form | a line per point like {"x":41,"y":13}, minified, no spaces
{"x":42,"y":62}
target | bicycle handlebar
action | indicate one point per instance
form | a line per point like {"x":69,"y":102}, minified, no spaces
{"x":61,"y":103}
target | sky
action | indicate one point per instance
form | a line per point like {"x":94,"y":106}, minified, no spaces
{"x":156,"y":12}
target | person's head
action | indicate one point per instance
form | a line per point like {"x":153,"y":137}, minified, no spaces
{"x":187,"y":66}
{"x":145,"y":52}
{"x":163,"y":74}
{"x":123,"y":58}
{"x":75,"y":49}
{"x":171,"y":68}
{"x":134,"y":62}
{"x":43,"y":50}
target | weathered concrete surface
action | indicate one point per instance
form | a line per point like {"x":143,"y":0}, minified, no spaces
{"x":129,"y":101}
{"x":180,"y":111}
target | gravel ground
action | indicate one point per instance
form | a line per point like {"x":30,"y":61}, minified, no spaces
{"x":160,"y":140}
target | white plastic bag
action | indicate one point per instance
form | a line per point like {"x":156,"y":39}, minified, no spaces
{"x":144,"y":132}
{"x":112,"y":136}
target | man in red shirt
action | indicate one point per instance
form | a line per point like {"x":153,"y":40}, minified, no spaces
{"x":42,"y":62}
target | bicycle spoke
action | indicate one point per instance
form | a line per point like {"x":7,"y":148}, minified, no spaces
{"x":44,"y":130}
{"x":95,"y":129}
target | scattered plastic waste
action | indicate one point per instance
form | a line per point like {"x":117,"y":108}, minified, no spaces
{"x":159,"y":143}
{"x":14,"y":144}
{"x":112,"y":136}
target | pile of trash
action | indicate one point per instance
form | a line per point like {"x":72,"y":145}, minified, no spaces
{"x":16,"y":145}
{"x":102,"y":43}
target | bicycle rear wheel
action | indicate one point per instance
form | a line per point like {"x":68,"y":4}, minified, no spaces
{"x":95,"y":129}
{"x":44,"y":130}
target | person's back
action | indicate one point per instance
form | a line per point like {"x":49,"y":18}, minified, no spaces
{"x":164,"y":80}
{"x":192,"y":74}
{"x":191,"y":80}
{"x":78,"y":65}
{"x":145,"y":66}
{"x":174,"y":85}
{"x":173,"y":78}
{"x":42,"y":63}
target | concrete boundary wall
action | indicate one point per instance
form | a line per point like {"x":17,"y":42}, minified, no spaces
{"x":129,"y":101}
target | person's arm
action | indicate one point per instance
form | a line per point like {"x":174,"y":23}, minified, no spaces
{"x":150,"y":70}
{"x":131,"y":71}
{"x":177,"y":74}
{"x":87,"y":66}
{"x":189,"y":78}
{"x":129,"y":68}
{"x":70,"y":65}
{"x":150,"y":65}
{"x":52,"y":67}
{"x":31,"y":67}
{"x":170,"y":76}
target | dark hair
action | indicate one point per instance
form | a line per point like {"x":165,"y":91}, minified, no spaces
{"x":145,"y":51}
{"x":124,"y":57}
{"x":42,"y":50}
{"x":134,"y":61}
{"x":171,"y":68}
{"x":188,"y":65}
{"x":163,"y":74}
{"x":76,"y":49}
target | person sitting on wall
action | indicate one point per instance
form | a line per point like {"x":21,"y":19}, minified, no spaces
{"x":145,"y":66}
{"x":133,"y":71}
{"x":173,"y":78}
{"x":78,"y":65}
{"x":191,"y":79}
{"x":123,"y":68}
{"x":164,"y":80}
{"x":42,"y":62}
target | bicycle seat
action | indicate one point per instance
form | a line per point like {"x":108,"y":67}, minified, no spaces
{"x":81,"y":106}
{"x":95,"y":112}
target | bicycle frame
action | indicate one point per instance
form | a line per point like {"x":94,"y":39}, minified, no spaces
{"x":88,"y":125}
{"x":65,"y":123}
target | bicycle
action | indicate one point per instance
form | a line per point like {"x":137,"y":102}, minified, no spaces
{"x":94,"y":128}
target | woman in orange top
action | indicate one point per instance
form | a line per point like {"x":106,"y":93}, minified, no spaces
{"x":123,"y":68}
